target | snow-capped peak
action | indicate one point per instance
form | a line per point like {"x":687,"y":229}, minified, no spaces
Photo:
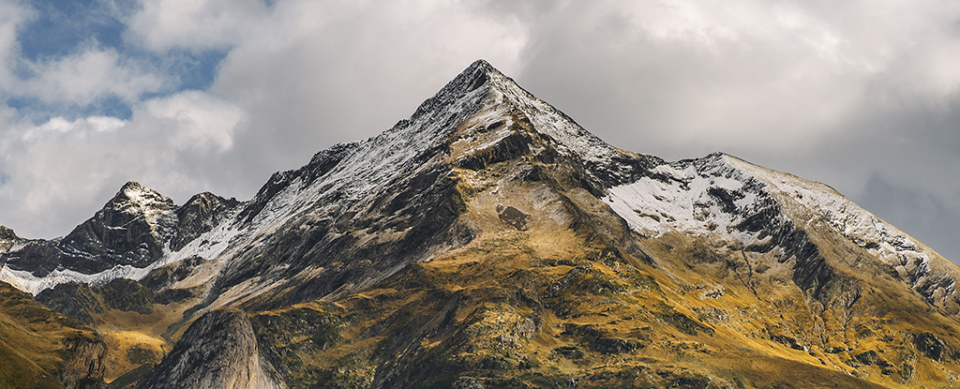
{"x":546,"y":119}
{"x":135,"y":199}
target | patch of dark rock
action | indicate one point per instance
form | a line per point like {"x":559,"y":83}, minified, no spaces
{"x":930,"y":345}
{"x":616,"y":346}
{"x":513,"y":217}
{"x":788,"y":341}
{"x":72,"y":299}
{"x":871,"y":358}
{"x":569,"y":352}
{"x":478,"y":82}
{"x":7,"y":234}
{"x":533,"y":174}
{"x":199,"y":215}
{"x":33,"y":256}
{"x":167,"y":275}
{"x":127,"y":295}
{"x":493,"y":126}
{"x":623,"y":169}
{"x":726,"y":198}
{"x":760,"y":247}
{"x":601,"y":342}
{"x":510,"y":147}
{"x":175,"y":295}
{"x":467,"y":383}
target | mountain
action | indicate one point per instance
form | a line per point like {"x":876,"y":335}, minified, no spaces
{"x":490,"y":241}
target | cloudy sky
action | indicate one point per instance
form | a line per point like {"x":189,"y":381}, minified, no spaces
{"x":187,"y":96}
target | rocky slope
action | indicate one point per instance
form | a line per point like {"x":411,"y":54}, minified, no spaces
{"x":490,"y":241}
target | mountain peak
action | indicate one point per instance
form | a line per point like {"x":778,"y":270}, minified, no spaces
{"x":136,"y":198}
{"x":478,"y":72}
{"x":7,"y":234}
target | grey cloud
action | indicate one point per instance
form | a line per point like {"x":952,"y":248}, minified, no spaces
{"x":924,"y":216}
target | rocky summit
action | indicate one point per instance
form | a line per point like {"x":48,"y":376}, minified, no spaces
{"x":488,"y":241}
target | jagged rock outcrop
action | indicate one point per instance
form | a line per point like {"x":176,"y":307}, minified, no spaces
{"x":219,"y":350}
{"x":7,"y":234}
{"x":199,"y":215}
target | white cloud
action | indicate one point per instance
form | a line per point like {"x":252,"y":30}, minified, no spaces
{"x":194,"y":24}
{"x":11,"y":15}
{"x":91,"y":74}
{"x":195,"y":120}
{"x":59,"y":125}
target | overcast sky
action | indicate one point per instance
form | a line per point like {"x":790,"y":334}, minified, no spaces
{"x":187,"y":96}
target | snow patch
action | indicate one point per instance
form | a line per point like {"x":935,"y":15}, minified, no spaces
{"x":700,"y":197}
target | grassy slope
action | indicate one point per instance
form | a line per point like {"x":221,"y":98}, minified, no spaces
{"x":31,"y":341}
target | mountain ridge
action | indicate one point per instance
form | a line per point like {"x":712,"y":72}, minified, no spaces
{"x":491,"y":238}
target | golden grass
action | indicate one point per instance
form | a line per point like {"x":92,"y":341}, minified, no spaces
{"x":31,"y":340}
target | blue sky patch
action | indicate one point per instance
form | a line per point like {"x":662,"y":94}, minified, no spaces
{"x":196,"y":70}
{"x":39,"y":112}
{"x":64,"y":26}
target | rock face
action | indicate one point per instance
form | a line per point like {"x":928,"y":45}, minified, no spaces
{"x":219,"y":350}
{"x":490,"y":241}
{"x":83,"y":363}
